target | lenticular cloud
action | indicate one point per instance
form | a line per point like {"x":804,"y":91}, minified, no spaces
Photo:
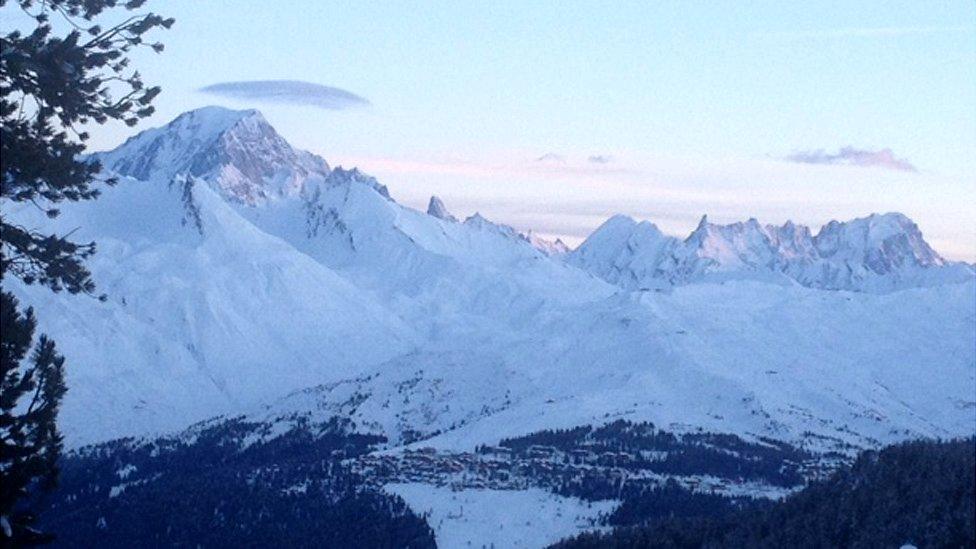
{"x":294,"y":92}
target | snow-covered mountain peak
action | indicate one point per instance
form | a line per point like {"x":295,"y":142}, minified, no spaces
{"x":478,"y":224}
{"x":791,"y":241}
{"x":207,"y":123}
{"x":476,"y":219}
{"x":342,"y":177}
{"x":883,"y":242}
{"x":701,"y":232}
{"x":436,"y":208}
{"x":552,"y":248}
{"x":789,"y":229}
{"x":620,"y":225}
{"x":740,"y":246}
{"x":707,"y":229}
{"x":481,"y":223}
{"x":877,"y":253}
{"x":710,"y":238}
{"x":625,"y":252}
{"x":237,"y":152}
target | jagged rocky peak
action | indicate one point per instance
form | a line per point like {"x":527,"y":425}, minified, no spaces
{"x":477,"y":220}
{"x":726,"y":248}
{"x":790,"y":231}
{"x":552,"y":248}
{"x":882,"y":242}
{"x":750,"y":229}
{"x":701,"y":230}
{"x":436,"y":208}
{"x":354,"y":176}
{"x":237,"y":152}
{"x":792,"y":240}
{"x":481,"y":223}
{"x":702,"y":224}
{"x":881,"y":252}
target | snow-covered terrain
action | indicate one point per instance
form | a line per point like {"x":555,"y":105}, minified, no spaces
{"x":239,"y":270}
{"x":198,"y":322}
{"x":500,"y":518}
{"x":743,"y":357}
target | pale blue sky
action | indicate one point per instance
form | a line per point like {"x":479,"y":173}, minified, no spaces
{"x":692,"y":100}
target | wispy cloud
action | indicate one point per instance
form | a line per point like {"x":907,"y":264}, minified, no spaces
{"x":850,"y":156}
{"x":551,"y":157}
{"x":600,"y":159}
{"x":556,"y":167}
{"x":866,"y":32}
{"x":294,"y":92}
{"x":571,"y":199}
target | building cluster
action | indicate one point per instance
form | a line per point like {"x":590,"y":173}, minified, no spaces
{"x":502,"y":468}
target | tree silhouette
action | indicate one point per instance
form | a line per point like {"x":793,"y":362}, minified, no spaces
{"x":51,"y":86}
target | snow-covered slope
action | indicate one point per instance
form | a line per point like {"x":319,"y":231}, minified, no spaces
{"x":745,"y":357}
{"x":205,"y":313}
{"x":240,"y":270}
{"x":500,"y":518}
{"x":878,"y":253}
{"x":222,"y":296}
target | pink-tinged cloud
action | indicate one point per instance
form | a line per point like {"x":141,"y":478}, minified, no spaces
{"x":850,"y":156}
{"x":422,"y":167}
{"x":571,"y":199}
{"x":538,"y":168}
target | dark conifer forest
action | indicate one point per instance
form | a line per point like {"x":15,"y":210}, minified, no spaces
{"x":920,"y":493}
{"x":291,"y":491}
{"x":234,"y":482}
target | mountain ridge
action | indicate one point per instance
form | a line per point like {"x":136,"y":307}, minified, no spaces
{"x":876,"y":253}
{"x":245,"y":159}
{"x":454,"y":334}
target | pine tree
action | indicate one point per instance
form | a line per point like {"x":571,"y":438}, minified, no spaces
{"x":50,"y":86}
{"x":29,"y":399}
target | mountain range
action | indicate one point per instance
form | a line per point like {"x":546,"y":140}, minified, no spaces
{"x":877,"y":253}
{"x":245,"y":278}
{"x":239,"y":269}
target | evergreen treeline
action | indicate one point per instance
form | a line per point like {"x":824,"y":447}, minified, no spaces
{"x":664,"y":452}
{"x":219,"y":491}
{"x":673,"y":500}
{"x":920,"y":492}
